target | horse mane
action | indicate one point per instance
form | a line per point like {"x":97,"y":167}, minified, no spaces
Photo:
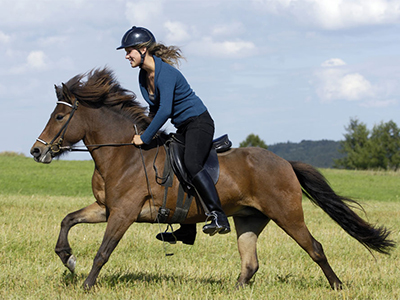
{"x":98,"y":88}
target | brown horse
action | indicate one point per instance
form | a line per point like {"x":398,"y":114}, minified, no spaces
{"x":255,"y":186}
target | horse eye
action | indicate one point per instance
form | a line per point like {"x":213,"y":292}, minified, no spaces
{"x":59,"y":117}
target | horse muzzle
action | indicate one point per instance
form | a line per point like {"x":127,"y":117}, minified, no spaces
{"x":42,"y":154}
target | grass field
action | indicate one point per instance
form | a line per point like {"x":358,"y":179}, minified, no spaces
{"x":34,"y":198}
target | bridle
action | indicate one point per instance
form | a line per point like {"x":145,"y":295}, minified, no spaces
{"x":55,"y":147}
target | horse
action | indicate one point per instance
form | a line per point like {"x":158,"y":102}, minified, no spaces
{"x":255,"y":185}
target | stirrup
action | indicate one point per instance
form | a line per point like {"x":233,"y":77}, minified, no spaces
{"x":218,"y":228}
{"x":162,"y":235}
{"x":212,"y":216}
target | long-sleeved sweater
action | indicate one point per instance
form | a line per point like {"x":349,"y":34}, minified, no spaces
{"x":173,"y":98}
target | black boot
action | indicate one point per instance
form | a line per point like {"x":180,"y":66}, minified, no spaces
{"x":185,"y":234}
{"x":206,"y":189}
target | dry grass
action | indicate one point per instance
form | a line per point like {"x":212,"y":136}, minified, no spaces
{"x":139,"y":269}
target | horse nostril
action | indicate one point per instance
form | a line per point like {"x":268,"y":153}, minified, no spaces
{"x":35,"y":152}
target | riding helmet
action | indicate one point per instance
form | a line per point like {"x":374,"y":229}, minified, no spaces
{"x":136,"y":36}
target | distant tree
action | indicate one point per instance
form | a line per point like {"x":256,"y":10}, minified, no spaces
{"x":253,"y":140}
{"x":11,"y":154}
{"x":385,"y":146}
{"x":355,"y":146}
{"x":320,"y":154}
{"x":376,"y":149}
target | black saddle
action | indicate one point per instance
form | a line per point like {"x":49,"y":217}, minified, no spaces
{"x":174,"y":165}
{"x":176,"y":148}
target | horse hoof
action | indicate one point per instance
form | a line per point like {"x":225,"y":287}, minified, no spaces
{"x":71,"y":263}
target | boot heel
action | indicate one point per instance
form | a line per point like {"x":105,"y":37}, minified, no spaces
{"x":219,"y":224}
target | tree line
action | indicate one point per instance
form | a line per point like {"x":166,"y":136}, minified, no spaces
{"x":364,"y":149}
{"x":361,"y":148}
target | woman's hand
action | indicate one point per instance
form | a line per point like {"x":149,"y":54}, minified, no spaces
{"x":137,"y":140}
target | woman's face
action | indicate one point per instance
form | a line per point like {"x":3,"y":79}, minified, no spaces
{"x":134,"y":56}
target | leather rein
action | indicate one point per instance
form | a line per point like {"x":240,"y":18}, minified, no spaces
{"x":55,"y":146}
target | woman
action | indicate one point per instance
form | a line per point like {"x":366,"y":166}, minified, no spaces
{"x":169,"y":96}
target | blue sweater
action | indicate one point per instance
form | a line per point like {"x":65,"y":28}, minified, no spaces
{"x":174,"y":98}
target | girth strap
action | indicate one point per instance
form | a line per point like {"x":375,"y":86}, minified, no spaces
{"x":182,"y":204}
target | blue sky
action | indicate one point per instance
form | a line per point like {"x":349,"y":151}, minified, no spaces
{"x":286,"y":70}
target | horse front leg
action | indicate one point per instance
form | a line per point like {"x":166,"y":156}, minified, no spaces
{"x":94,"y":213}
{"x":117,"y":225}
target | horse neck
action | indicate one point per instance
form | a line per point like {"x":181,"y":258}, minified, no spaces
{"x":105,"y":126}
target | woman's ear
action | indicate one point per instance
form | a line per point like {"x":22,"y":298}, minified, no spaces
{"x":143,"y":50}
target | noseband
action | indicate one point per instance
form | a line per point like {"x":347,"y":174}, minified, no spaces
{"x":55,"y":147}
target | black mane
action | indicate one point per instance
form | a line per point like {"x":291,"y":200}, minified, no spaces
{"x":99,"y":87}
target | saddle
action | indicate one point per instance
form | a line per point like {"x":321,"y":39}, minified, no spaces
{"x":174,"y":165}
{"x":176,"y":149}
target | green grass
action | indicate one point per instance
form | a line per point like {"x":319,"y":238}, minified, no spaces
{"x":24,"y":176}
{"x":138,"y":268}
{"x":365,"y":185}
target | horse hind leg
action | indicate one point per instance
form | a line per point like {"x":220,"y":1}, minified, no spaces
{"x":93,"y":213}
{"x":247,"y":230}
{"x":300,"y":233}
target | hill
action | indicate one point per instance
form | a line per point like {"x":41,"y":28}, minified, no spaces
{"x":319,"y":154}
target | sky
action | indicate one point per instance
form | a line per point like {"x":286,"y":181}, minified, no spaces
{"x":285,"y":70}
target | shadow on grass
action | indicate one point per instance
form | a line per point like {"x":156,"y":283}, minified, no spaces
{"x":128,"y":278}
{"x":70,"y":279}
{"x":153,"y":278}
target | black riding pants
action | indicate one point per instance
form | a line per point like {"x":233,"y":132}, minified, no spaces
{"x":198,"y":134}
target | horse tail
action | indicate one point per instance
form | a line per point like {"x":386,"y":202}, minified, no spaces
{"x":318,"y":190}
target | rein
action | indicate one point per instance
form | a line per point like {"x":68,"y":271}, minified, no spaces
{"x":55,"y":147}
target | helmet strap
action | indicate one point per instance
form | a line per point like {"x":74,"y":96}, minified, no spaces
{"x":142,"y":55}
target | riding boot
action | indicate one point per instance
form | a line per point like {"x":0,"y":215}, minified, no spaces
{"x":185,"y":234}
{"x":206,"y":189}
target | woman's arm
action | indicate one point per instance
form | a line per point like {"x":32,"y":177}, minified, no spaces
{"x":165,"y":88}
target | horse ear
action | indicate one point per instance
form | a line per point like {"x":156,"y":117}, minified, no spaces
{"x":58,"y":91}
{"x":66,"y":92}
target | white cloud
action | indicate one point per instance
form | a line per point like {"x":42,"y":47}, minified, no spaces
{"x":338,"y":84}
{"x":4,"y":38}
{"x":51,"y":41}
{"x":354,"y":87}
{"x":35,"y":60}
{"x":208,"y":47}
{"x":228,"y":29}
{"x":142,"y":13}
{"x":335,"y":14}
{"x":177,"y":32}
{"x":333,"y":62}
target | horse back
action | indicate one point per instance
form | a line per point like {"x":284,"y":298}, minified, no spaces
{"x":253,"y":177}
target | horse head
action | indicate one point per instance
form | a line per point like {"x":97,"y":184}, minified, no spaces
{"x":73,"y":118}
{"x":52,"y":140}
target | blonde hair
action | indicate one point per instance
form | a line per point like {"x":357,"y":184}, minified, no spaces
{"x":169,"y":54}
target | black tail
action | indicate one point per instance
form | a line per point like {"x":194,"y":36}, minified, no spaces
{"x":317,"y":189}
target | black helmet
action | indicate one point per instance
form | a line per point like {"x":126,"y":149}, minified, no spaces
{"x":136,"y":36}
